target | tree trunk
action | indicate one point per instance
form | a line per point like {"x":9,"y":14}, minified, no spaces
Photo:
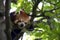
{"x":7,"y":21}
{"x":2,"y":25}
{"x":1,"y":6}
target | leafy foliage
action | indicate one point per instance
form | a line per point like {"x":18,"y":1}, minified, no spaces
{"x":49,"y":30}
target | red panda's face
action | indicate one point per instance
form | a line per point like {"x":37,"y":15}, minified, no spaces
{"x":21,"y":19}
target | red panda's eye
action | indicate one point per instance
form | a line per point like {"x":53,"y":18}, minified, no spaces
{"x":18,"y":21}
{"x":25,"y":23}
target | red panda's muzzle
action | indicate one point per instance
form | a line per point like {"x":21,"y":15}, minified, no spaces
{"x":21,"y":24}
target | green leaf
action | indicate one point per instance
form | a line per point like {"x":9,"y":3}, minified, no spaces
{"x":49,"y":14}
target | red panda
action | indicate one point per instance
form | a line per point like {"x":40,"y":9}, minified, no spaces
{"x":22,"y":18}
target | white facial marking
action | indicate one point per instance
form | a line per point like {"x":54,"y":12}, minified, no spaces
{"x":21,"y":23}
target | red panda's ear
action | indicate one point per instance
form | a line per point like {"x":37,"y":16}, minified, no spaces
{"x":24,"y":16}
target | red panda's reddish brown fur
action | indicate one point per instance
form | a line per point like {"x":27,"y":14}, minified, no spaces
{"x":22,"y":16}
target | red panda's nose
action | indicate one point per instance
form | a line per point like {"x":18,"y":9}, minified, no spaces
{"x":21,"y":24}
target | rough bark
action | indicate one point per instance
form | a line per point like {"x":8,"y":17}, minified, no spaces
{"x":2,"y":28}
{"x":7,"y":21}
{"x":1,"y":6}
{"x":2,"y":25}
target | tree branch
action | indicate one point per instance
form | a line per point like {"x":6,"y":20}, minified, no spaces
{"x":34,"y":9}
